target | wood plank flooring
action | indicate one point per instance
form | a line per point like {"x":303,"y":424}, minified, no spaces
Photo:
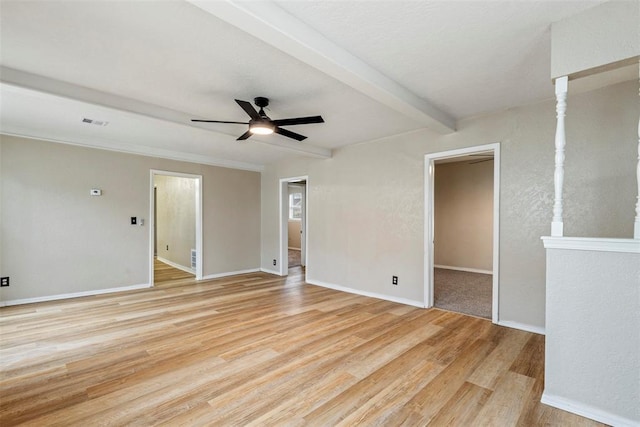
{"x":261,"y":350}
{"x":166,"y":274}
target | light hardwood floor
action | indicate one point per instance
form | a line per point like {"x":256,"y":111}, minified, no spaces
{"x":261,"y":350}
{"x":164,"y":273}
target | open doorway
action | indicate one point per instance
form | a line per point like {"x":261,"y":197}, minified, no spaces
{"x":293,"y":225}
{"x":176,"y":227}
{"x":461,"y":232}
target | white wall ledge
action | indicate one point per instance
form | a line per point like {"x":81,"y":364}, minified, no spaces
{"x":631,"y":246}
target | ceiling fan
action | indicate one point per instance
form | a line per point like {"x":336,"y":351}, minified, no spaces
{"x":261,"y":124}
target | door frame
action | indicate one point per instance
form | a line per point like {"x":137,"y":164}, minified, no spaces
{"x":198,"y":211}
{"x":429,"y":203}
{"x":284,"y":222}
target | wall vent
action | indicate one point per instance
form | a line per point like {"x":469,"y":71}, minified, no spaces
{"x":94,"y":122}
{"x":193,"y":259}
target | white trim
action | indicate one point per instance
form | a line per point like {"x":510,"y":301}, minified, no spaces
{"x":20,"y":81}
{"x":294,"y":249}
{"x":283,"y":221}
{"x":429,"y":166}
{"x":304,"y":226}
{"x":561,"y":86}
{"x":522,"y":326}
{"x":141,"y":150}
{"x":230,"y":273}
{"x":176,"y":265}
{"x":283,"y":224}
{"x":587,"y":411}
{"x":631,"y":246}
{"x":74,"y":295}
{"x":266,"y":270}
{"x":199,"y":219}
{"x":399,"y":300}
{"x":470,"y":270}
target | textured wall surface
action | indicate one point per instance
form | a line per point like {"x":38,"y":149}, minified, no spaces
{"x":593,"y":331}
{"x":463,"y":221}
{"x":366,"y":203}
{"x":599,"y":36}
{"x":57,"y":239}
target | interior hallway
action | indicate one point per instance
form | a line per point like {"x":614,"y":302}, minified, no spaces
{"x":164,"y":274}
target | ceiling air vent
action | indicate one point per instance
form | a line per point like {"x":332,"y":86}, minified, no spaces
{"x":95,"y":122}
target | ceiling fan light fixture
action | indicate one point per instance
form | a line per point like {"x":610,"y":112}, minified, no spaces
{"x":263,"y":128}
{"x":261,"y":124}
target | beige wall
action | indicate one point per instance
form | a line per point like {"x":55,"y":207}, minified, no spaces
{"x":57,"y":239}
{"x":599,"y":36}
{"x":366,"y":203}
{"x":294,"y":234}
{"x":293,"y":228}
{"x":176,"y":218}
{"x":463,"y":221}
{"x":592,"y":341}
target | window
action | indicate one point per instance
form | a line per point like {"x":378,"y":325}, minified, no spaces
{"x":295,"y":206}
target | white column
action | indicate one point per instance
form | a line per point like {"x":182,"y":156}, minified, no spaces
{"x":558,"y":176}
{"x":636,"y":227}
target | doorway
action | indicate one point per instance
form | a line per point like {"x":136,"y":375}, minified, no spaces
{"x":293,"y":224}
{"x":176,"y":227}
{"x":462,"y":230}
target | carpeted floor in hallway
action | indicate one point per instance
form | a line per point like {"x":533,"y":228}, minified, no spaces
{"x":463,"y":292}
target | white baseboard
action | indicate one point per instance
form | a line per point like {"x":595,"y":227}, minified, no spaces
{"x":294,"y":249}
{"x":266,"y":270}
{"x":587,"y":411}
{"x":522,"y":326}
{"x":230,"y":273}
{"x":400,"y":300}
{"x":178,"y":266}
{"x":469,"y":270}
{"x":73,"y":295}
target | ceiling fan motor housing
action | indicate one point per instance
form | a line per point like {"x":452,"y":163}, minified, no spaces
{"x":261,"y":101}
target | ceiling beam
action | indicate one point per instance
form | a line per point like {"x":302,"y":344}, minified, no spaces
{"x":276,"y":27}
{"x":137,"y":149}
{"x":104,"y":99}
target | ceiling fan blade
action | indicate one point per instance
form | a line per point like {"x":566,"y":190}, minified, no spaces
{"x":248,"y":108}
{"x":289,"y":134}
{"x":244,"y":136}
{"x":299,"y":121}
{"x":218,"y":121}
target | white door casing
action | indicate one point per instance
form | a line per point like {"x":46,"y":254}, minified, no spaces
{"x":429,"y":169}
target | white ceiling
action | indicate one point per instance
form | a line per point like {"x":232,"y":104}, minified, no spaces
{"x":371,"y":69}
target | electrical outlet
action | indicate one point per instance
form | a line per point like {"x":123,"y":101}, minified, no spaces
{"x":274,"y":262}
{"x":394,"y":280}
{"x":4,"y":281}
